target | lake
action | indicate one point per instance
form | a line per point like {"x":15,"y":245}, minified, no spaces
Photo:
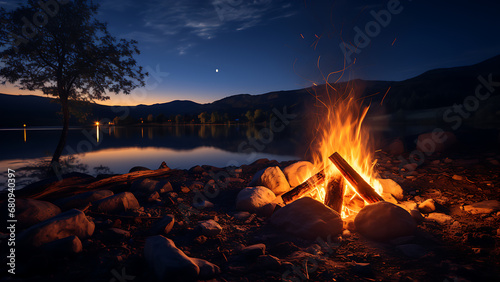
{"x":114,"y":149}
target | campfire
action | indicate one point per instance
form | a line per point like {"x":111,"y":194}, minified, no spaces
{"x":344,"y":178}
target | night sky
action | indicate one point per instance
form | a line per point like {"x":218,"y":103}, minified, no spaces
{"x":263,"y":45}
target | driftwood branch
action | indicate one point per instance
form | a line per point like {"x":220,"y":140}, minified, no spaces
{"x":58,"y":189}
{"x":363,"y":189}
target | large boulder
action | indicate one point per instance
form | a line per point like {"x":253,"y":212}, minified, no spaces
{"x":168,"y":262}
{"x":307,"y":218}
{"x":69,"y":223}
{"x":80,"y":201}
{"x":117,"y":203}
{"x":298,"y":172}
{"x":253,"y":199}
{"x":272,"y":178}
{"x":384,"y":221}
{"x":392,"y":187}
{"x":30,"y":212}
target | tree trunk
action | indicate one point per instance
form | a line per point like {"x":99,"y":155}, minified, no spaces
{"x":64,"y":134}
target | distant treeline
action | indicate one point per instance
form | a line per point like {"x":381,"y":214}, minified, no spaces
{"x":251,"y":116}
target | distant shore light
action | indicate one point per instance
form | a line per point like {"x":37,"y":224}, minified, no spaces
{"x":97,"y":123}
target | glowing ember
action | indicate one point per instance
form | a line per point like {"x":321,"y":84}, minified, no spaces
{"x":340,"y":130}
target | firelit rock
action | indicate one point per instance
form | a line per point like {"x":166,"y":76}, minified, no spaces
{"x":298,"y":172}
{"x":272,"y":178}
{"x":307,"y":218}
{"x":168,"y":262}
{"x":384,"y":221}
{"x":390,"y":186}
{"x":483,"y":207}
{"x":253,"y":199}
{"x":82,"y":200}
{"x":30,"y":212}
{"x":427,"y":206}
{"x":209,"y":228}
{"x":72,"y":222}
{"x":115,"y":204}
{"x":440,"y":218}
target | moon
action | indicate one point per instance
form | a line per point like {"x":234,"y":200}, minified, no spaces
{"x":216,"y":70}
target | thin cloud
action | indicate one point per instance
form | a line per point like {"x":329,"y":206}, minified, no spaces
{"x":205,"y":19}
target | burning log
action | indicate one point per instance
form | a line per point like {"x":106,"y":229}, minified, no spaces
{"x":363,"y":189}
{"x":304,"y":188}
{"x":334,"y":197}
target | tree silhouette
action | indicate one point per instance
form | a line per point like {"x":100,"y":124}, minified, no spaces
{"x":63,"y":50}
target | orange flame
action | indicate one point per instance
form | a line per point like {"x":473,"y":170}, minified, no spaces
{"x":339,"y":129}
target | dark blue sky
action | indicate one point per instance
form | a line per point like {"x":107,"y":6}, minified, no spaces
{"x":263,"y":45}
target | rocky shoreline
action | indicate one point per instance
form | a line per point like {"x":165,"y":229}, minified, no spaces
{"x":442,"y":223}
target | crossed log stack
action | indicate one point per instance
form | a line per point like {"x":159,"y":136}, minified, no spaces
{"x":335,"y":187}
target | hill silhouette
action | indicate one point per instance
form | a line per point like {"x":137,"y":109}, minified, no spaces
{"x":432,"y":89}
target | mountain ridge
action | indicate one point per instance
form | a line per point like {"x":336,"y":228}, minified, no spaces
{"x":432,"y":89}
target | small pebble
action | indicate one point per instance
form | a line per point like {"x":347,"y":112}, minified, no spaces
{"x":427,"y":206}
{"x":458,"y":177}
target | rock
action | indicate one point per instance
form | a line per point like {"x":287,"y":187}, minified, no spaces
{"x":457,"y":177}
{"x":346,"y":233}
{"x":389,"y":198}
{"x":253,"y":199}
{"x":164,"y":225}
{"x":80,"y":201}
{"x":196,"y":170}
{"x":208,"y":270}
{"x":384,"y":221}
{"x":390,"y":186}
{"x":241,"y":215}
{"x":168,"y":262}
{"x":117,"y":203}
{"x":436,"y":141}
{"x":69,"y":223}
{"x":253,"y":251}
{"x":62,"y":247}
{"x":411,"y":167}
{"x":440,"y":218}
{"x":417,"y":216}
{"x":116,"y":234}
{"x":209,"y":228}
{"x":203,"y":204}
{"x":483,"y":207}
{"x":143,"y":188}
{"x":397,"y":147}
{"x":427,"y":206}
{"x":408,"y":205}
{"x":307,"y":218}
{"x":185,"y":189}
{"x":268,"y":262}
{"x":298,"y":172}
{"x":30,"y":212}
{"x":272,"y":178}
{"x":138,"y":168}
{"x":412,"y":250}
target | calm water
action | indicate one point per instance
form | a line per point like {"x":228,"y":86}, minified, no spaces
{"x":117,"y":149}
